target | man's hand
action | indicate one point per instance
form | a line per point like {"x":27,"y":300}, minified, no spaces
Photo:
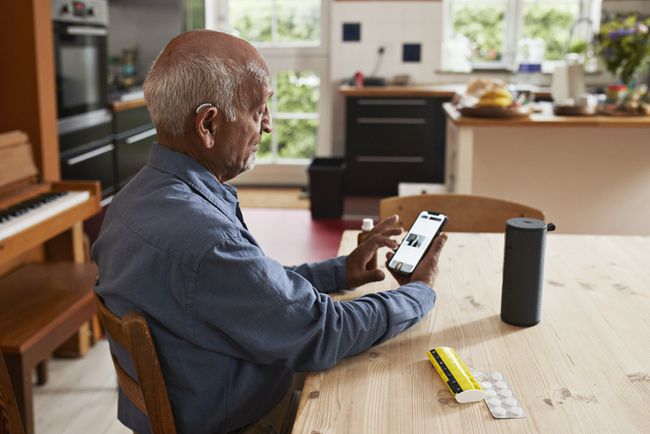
{"x":357,"y":261}
{"x":427,"y":269}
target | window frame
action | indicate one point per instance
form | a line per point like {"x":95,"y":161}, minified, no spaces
{"x":514,"y":28}
{"x":283,"y":56}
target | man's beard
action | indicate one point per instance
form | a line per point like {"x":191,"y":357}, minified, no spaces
{"x":251,"y":162}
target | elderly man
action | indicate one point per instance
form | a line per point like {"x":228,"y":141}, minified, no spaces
{"x":231,"y":325}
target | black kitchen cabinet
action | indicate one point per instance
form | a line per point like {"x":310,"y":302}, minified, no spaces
{"x":133,"y":134}
{"x":391,"y":140}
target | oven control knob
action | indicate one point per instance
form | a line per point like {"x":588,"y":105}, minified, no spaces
{"x":90,"y":12}
{"x":65,"y":9}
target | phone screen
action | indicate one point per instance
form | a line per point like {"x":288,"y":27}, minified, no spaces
{"x":417,"y":241}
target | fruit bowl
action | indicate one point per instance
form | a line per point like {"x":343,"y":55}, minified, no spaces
{"x":496,"y":112}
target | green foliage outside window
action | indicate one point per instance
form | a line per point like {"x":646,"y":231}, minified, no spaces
{"x":484,"y":26}
{"x":296,"y":137}
{"x":296,"y":21}
{"x":193,"y":14}
{"x":297,"y":95}
{"x":551,"y":23}
{"x":298,"y":92}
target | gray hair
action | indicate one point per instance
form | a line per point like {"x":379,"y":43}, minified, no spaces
{"x":172,"y":92}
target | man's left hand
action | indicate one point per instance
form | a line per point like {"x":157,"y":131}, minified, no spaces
{"x":357,"y":261}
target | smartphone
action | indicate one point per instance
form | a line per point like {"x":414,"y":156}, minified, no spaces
{"x":417,"y":242}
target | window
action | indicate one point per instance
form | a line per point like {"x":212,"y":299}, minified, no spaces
{"x":276,"y":22}
{"x":504,"y":33}
{"x":289,"y":34}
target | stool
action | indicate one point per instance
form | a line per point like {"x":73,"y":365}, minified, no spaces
{"x":41,"y":306}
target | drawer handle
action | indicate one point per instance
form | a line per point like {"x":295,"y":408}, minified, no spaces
{"x":83,"y":30}
{"x":377,"y":159}
{"x":140,"y":136}
{"x":418,"y":102}
{"x":400,"y":121}
{"x":88,"y":155}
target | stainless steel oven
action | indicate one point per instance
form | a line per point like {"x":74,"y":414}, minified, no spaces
{"x":80,"y":51}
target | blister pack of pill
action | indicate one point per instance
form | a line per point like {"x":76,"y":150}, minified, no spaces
{"x":500,"y":399}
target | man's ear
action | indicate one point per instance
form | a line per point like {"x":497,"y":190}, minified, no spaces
{"x":205,"y":125}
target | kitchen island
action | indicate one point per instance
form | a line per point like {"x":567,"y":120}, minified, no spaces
{"x":588,"y":174}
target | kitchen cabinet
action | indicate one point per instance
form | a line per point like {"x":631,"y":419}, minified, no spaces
{"x":133,"y":135}
{"x":393,"y":139}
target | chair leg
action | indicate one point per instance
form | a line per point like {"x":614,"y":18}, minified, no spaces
{"x":41,"y":373}
{"x":21,"y":380}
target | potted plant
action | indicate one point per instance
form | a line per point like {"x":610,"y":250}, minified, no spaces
{"x":624,"y":45}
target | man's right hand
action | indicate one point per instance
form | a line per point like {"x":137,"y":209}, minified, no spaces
{"x":427,"y":270}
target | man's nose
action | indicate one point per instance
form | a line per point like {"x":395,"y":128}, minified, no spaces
{"x":267,"y":123}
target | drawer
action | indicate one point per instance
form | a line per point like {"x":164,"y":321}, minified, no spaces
{"x":390,"y":107}
{"x":91,"y":164}
{"x":133,"y":119}
{"x":390,"y":139}
{"x":132,"y":154}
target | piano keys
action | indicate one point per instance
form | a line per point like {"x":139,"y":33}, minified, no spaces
{"x":33,"y":212}
{"x":38,"y":210}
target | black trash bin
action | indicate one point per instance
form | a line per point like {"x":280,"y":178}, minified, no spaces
{"x":326,"y":187}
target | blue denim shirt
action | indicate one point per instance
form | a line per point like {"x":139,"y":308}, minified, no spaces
{"x":230,"y":324}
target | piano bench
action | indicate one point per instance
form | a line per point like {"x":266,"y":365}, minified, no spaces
{"x":41,"y":306}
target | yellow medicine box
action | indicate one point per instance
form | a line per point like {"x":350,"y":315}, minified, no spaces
{"x":456,"y":375}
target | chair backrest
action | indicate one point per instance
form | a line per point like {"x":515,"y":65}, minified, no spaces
{"x":466,"y":213}
{"x":10,"y":422}
{"x":148,"y":393}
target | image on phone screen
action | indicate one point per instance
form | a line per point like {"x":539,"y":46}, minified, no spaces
{"x":417,"y":241}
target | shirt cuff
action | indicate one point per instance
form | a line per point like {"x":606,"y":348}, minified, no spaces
{"x":415,"y":300}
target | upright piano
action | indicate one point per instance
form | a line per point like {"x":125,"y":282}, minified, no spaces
{"x":45,"y":276}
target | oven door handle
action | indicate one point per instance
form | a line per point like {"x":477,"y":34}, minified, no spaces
{"x":91,"y":154}
{"x":85,"y":30}
{"x":140,"y":136}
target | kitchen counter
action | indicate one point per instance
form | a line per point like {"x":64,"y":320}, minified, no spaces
{"x":118,"y":106}
{"x":590,"y":175}
{"x":444,"y":90}
{"x":127,"y":99}
{"x":547,"y":118}
{"x":421,"y":90}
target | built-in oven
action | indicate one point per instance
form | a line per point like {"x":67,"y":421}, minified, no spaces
{"x":84,"y":121}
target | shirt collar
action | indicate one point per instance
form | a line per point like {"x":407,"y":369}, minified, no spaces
{"x":191,"y":172}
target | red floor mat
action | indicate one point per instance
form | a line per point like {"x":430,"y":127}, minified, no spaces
{"x":291,"y":237}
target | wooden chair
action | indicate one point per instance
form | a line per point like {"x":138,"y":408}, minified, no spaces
{"x":9,"y":415}
{"x":148,"y":393}
{"x":466,"y":213}
{"x":46,"y":303}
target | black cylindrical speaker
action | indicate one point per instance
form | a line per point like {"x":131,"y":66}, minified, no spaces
{"x":523,"y":271}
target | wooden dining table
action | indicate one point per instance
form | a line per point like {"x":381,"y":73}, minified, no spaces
{"x":585,"y":368}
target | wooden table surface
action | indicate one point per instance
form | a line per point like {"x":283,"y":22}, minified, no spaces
{"x":584,"y":368}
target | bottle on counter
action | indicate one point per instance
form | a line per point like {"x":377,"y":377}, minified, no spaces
{"x":367,"y":225}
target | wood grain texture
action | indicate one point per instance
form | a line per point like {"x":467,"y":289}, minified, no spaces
{"x":27,"y":83}
{"x":467,"y":213}
{"x":10,"y":422}
{"x":148,"y":392}
{"x":547,"y":118}
{"x":442,"y":90}
{"x":16,"y":160}
{"x":584,"y":368}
